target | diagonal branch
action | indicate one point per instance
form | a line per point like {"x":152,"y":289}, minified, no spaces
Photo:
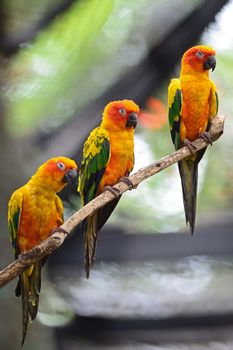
{"x":137,"y":83}
{"x":56,"y":240}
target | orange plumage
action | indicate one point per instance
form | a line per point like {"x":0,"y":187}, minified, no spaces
{"x":192,"y":102}
{"x":108,"y":155}
{"x":121,"y":139}
{"x":34,"y":210}
{"x":198,"y":91}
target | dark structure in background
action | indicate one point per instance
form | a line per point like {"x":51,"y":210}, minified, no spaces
{"x":137,"y":84}
{"x":214,"y":241}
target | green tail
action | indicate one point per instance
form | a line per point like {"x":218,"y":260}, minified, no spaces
{"x":188,"y":169}
{"x":91,"y":227}
{"x":90,"y":241}
{"x":29,"y":288}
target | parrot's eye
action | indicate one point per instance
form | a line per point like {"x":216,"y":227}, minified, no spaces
{"x":199,"y":54}
{"x":61,"y":166}
{"x":122,"y":111}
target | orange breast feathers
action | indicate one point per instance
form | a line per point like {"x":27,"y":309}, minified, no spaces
{"x":121,"y":160}
{"x":197,"y":90}
{"x":195,"y":107}
{"x":38,"y":218}
{"x":34,"y":209}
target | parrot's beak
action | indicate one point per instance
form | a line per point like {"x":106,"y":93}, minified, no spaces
{"x":210,"y":63}
{"x":132,"y":120}
{"x":70,"y":176}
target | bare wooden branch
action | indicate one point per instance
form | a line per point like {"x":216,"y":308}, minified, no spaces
{"x":56,"y":240}
{"x":138,"y":83}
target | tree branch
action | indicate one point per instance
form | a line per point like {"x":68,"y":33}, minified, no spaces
{"x":56,"y":240}
{"x":137,"y":83}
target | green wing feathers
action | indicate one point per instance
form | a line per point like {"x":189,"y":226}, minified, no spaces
{"x":96,"y":156}
{"x":174,"y":110}
{"x":14,"y":213}
{"x":29,"y":284}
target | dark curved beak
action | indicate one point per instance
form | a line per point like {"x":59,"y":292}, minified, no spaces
{"x":132,"y":120}
{"x":210,"y":63}
{"x":70,"y":176}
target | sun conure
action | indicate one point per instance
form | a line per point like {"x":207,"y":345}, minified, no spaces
{"x":34,"y":211}
{"x":192,"y":103}
{"x":108,"y":156}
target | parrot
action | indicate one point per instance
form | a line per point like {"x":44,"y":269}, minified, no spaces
{"x":192,"y":105}
{"x":34,"y":212}
{"x":108,"y":157}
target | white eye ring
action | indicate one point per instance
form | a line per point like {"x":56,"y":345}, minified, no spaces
{"x":199,"y":54}
{"x":61,"y":166}
{"x":122,"y":111}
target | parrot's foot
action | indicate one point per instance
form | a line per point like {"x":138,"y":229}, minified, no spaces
{"x":128,"y":182}
{"x":190,"y":146}
{"x":113,"y":190}
{"x":59,"y":229}
{"x":206,"y":137}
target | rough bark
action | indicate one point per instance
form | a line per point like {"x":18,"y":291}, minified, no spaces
{"x":57,"y":238}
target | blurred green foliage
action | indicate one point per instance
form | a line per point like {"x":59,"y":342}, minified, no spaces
{"x":78,"y":57}
{"x":45,"y":76}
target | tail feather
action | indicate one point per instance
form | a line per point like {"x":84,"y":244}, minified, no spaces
{"x":30,"y":284}
{"x":18,"y":288}
{"x":188,"y":169}
{"x":35,"y":285}
{"x":90,"y":242}
{"x":91,"y":227}
{"x":25,"y":303}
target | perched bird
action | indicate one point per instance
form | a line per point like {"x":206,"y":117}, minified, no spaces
{"x":108,"y":157}
{"x":193,"y":103}
{"x":34,"y":211}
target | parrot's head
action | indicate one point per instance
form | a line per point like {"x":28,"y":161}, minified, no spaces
{"x":56,"y":173}
{"x":121,"y":115}
{"x":199,"y":58}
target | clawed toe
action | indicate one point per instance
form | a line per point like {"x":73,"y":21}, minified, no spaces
{"x":113,"y":190}
{"x":206,"y":137}
{"x":192,"y":148}
{"x":127,"y":181}
{"x":60,"y":229}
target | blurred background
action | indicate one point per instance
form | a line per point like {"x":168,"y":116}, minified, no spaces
{"x":153,"y":285}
